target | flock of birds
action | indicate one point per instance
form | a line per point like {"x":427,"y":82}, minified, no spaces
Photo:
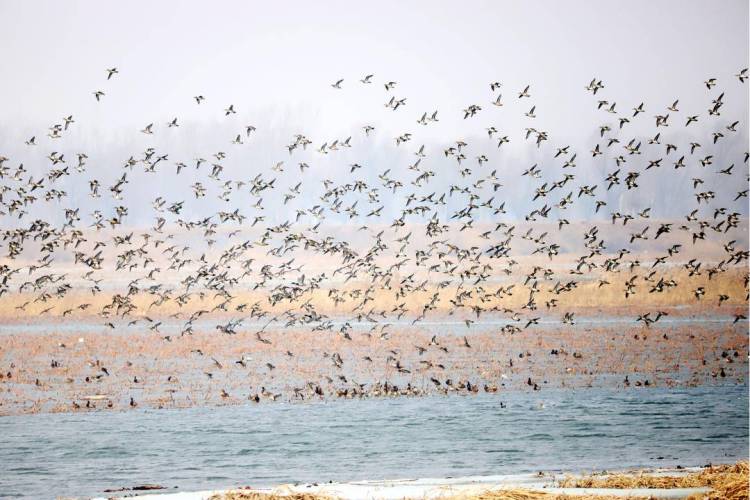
{"x":462,"y":278}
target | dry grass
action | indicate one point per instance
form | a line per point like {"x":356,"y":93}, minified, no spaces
{"x":254,"y":495}
{"x":588,"y":294}
{"x":174,"y":374}
{"x":509,"y":494}
{"x":521,"y":494}
{"x":726,"y":481}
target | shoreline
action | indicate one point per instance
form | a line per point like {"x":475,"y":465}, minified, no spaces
{"x":665,"y":483}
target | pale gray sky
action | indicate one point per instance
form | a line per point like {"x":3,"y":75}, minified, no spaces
{"x":275,"y":61}
{"x":269,"y":53}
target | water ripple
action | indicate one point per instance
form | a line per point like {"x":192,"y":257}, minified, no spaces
{"x":261,"y":445}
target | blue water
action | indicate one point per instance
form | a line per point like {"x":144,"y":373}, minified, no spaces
{"x":50,"y":455}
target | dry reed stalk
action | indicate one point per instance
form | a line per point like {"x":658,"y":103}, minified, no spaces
{"x":520,"y":494}
{"x":726,"y":481}
{"x":504,"y":494}
{"x":255,"y":495}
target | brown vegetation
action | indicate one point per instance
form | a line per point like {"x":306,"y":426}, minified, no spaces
{"x":159,"y":373}
{"x":254,"y":495}
{"x":726,"y":481}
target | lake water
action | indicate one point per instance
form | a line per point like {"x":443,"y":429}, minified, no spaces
{"x":170,"y":326}
{"x":48,"y":455}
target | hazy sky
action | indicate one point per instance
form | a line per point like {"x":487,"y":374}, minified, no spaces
{"x":275,"y":61}
{"x":263,"y":53}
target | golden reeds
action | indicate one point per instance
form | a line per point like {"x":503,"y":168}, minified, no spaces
{"x":587,"y":294}
{"x":726,"y":481}
{"x":255,"y":495}
{"x":521,"y":494}
{"x":504,"y":494}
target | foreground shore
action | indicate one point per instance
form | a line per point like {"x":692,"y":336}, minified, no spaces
{"x":711,"y":482}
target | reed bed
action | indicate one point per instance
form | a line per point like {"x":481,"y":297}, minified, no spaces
{"x":726,"y":481}
{"x":522,"y":494}
{"x":254,"y":495}
{"x":505,"y":494}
